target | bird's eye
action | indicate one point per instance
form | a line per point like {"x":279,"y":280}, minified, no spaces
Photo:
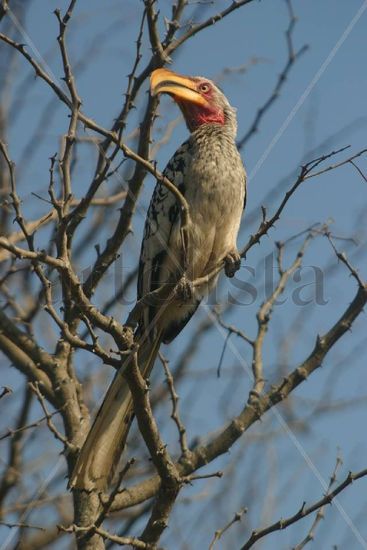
{"x":204,"y":88}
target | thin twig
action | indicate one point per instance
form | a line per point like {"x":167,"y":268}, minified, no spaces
{"x":264,"y":314}
{"x":303,"y":511}
{"x":343,"y":258}
{"x":175,"y":414}
{"x":292,"y":58}
{"x":121,"y":541}
{"x":320,"y":513}
{"x":268,"y":223}
{"x":22,"y":525}
{"x":35,"y":388}
{"x":220,"y":532}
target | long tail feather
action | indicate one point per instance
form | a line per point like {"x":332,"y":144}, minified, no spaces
{"x":106,"y":439}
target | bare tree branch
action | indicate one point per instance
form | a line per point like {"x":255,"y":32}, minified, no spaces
{"x":304,"y":511}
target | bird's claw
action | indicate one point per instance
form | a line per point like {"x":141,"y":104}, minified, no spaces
{"x":184,"y":289}
{"x":232,"y":263}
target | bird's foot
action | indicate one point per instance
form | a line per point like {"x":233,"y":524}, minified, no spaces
{"x":184,"y":289}
{"x":232,"y":263}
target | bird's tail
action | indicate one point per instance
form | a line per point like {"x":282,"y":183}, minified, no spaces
{"x":106,"y":439}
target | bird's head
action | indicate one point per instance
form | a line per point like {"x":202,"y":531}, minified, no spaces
{"x":199,"y":99}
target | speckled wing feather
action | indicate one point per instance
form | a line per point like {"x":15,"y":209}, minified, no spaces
{"x":160,"y":257}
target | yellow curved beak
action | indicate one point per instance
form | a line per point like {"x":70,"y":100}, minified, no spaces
{"x":180,"y":87}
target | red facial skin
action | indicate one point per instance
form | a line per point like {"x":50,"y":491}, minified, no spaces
{"x":197,"y":115}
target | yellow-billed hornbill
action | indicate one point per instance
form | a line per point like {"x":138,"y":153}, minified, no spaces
{"x":208,"y":171}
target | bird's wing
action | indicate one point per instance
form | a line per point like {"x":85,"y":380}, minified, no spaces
{"x":159,"y":257}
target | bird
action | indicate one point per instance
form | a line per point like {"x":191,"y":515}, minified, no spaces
{"x":208,"y":171}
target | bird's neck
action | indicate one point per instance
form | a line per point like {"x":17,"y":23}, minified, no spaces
{"x":222,"y":121}
{"x":204,"y":117}
{"x":197,"y":116}
{"x":214,"y":131}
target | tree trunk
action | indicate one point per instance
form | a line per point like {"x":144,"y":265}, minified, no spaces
{"x":87,"y":509}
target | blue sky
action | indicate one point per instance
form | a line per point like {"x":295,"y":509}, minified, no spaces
{"x":332,"y":115}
